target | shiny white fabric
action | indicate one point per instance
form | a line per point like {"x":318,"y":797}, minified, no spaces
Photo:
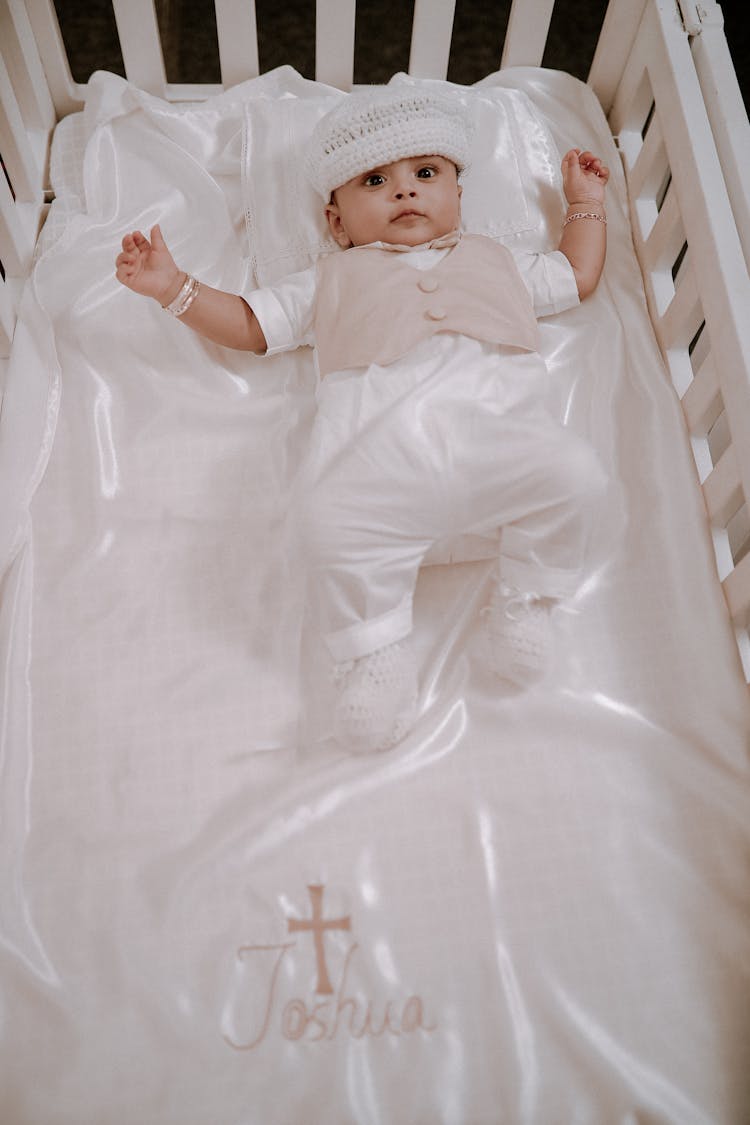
{"x":533,"y":910}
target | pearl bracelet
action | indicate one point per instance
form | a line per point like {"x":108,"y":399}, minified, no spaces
{"x":585,"y":215}
{"x":180,"y":304}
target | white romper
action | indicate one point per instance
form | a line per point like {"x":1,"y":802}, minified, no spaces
{"x":452,"y":438}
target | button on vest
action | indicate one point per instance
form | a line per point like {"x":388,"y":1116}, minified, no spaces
{"x":428,"y":284}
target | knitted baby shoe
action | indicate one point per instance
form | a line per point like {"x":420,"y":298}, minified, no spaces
{"x":519,"y":631}
{"x":377,"y":703}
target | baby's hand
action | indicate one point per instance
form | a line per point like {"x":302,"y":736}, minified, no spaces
{"x":147,"y":267}
{"x":584,"y":177}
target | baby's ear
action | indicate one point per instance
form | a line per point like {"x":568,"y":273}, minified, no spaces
{"x":336,"y":226}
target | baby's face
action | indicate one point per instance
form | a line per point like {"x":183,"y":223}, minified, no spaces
{"x":408,"y":202}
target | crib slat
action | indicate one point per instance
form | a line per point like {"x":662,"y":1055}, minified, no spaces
{"x":23,"y":172}
{"x":727,"y":114}
{"x":238,"y":40}
{"x":722,"y":489}
{"x":683,"y":315}
{"x":666,"y":237}
{"x":737,"y":591}
{"x":526,"y":34}
{"x":16,"y":236}
{"x":633,"y":98}
{"x":662,"y":248}
{"x":618,"y":32}
{"x":7,"y":320}
{"x":702,"y":402}
{"x":24,"y":66}
{"x":650,"y":167}
{"x":138,"y":29}
{"x":64,"y":91}
{"x":334,"y":43}
{"x":431,"y":33}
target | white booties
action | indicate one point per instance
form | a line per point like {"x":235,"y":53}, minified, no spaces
{"x":377,"y":701}
{"x":519,"y":631}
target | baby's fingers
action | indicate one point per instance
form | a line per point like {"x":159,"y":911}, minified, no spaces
{"x":591,"y":163}
{"x":134,"y":241}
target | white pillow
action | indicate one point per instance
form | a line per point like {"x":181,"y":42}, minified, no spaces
{"x":66,"y":180}
{"x":512,"y":188}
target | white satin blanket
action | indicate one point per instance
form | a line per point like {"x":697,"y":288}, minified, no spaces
{"x":535,"y":908}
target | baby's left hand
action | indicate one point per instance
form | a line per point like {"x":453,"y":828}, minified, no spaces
{"x":584,"y":177}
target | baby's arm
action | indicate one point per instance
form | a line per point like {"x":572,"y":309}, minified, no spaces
{"x":584,"y":240}
{"x":148,"y":268}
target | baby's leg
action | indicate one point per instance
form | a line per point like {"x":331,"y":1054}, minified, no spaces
{"x":551,"y":506}
{"x":370,"y":509}
{"x":559,"y":483}
{"x":362,"y":571}
{"x":361,"y":577}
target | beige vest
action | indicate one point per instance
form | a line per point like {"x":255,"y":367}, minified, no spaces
{"x":372,"y":307}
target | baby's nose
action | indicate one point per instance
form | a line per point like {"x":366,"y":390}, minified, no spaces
{"x":402,"y":192}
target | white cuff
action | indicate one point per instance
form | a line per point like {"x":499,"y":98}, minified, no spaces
{"x":273,"y":320}
{"x":368,"y":636}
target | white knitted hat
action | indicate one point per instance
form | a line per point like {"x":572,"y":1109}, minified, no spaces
{"x":373,"y":127}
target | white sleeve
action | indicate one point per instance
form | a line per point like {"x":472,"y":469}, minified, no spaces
{"x":285,"y":311}
{"x":549,"y":279}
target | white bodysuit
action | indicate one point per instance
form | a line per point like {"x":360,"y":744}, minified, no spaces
{"x":452,"y":437}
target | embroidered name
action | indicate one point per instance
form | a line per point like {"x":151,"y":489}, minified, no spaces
{"x":335,"y":1010}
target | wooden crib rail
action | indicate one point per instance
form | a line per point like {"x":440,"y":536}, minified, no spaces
{"x":686,"y":236}
{"x":143,"y":58}
{"x":27,"y":117}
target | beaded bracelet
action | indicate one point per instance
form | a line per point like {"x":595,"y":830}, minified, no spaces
{"x":585,"y":215}
{"x":180,"y":304}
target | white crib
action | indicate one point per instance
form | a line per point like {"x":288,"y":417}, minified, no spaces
{"x":663,"y":74}
{"x":534,"y":910}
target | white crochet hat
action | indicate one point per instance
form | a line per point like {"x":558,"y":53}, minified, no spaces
{"x":373,"y":127}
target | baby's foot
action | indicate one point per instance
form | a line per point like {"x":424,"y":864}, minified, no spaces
{"x":377,"y":703}
{"x":519,"y":632}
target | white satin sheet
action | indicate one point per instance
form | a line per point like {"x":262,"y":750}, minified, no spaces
{"x":532,"y":911}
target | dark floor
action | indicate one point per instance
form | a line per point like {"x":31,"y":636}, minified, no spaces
{"x":286,"y":35}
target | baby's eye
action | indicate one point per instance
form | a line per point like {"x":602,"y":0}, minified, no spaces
{"x":427,"y":172}
{"x":375,"y":179}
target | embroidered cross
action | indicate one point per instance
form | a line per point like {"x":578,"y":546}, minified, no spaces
{"x":317,"y":925}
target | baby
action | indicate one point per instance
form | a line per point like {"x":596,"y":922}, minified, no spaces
{"x":431,"y":417}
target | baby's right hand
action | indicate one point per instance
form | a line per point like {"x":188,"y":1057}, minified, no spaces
{"x":147,"y":267}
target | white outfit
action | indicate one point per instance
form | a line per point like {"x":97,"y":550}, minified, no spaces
{"x":450,"y":439}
